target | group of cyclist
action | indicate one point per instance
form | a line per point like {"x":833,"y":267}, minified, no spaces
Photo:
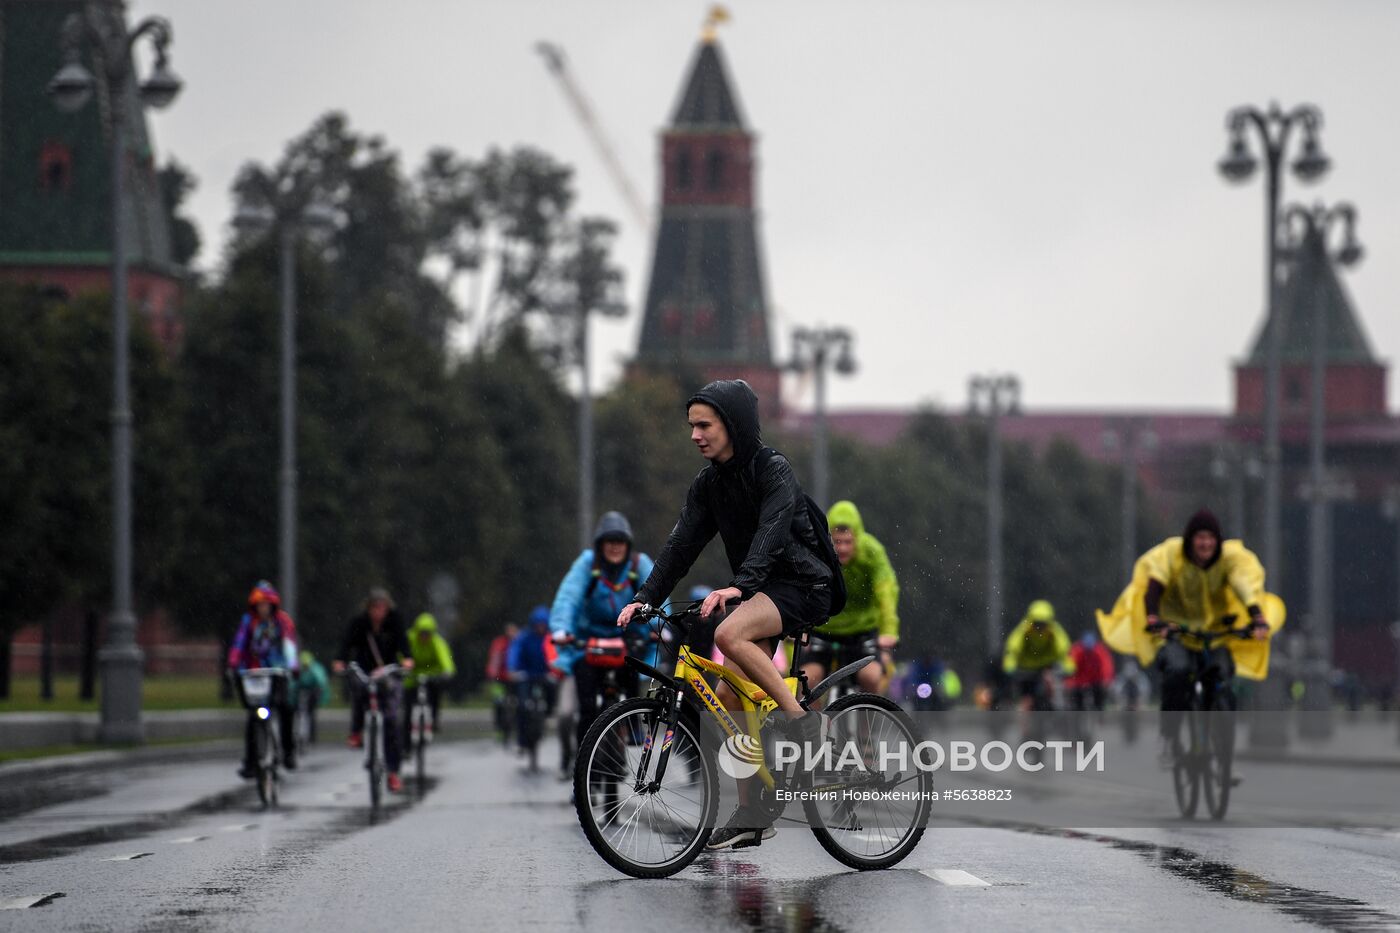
{"x":1196,"y":583}
{"x":374,"y":639}
{"x":791,"y":578}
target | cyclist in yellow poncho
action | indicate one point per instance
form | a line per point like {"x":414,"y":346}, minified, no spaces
{"x":1201,"y":583}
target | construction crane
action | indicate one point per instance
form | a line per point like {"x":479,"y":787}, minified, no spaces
{"x":554,"y":59}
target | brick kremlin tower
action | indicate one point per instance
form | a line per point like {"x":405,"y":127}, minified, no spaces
{"x":706,"y":305}
{"x":55,"y":175}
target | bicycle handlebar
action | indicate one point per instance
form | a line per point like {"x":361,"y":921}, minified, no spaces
{"x":1173,"y":632}
{"x":266,"y":671}
{"x":383,"y":673}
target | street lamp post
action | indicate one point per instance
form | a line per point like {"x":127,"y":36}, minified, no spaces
{"x":1231,"y":466}
{"x":813,"y":349}
{"x":104,"y":33}
{"x":292,"y":222}
{"x":1391,"y":506}
{"x":994,"y":396}
{"x":1313,"y":226}
{"x":1274,"y":128}
{"x":1132,"y":441}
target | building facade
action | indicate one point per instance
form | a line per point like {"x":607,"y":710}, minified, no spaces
{"x":56,"y":224}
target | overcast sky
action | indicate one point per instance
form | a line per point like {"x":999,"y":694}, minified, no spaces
{"x":971,"y":186}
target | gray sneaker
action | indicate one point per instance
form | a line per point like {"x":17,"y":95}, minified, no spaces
{"x":745,"y":828}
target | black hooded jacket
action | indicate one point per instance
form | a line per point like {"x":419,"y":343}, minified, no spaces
{"x":753,"y":502}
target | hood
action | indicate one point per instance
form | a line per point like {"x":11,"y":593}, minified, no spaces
{"x":265,"y":592}
{"x":1204,"y":520}
{"x":1040,"y":611}
{"x":425,"y":623}
{"x":738,"y":409}
{"x":539,"y":615}
{"x":612,"y":524}
{"x":844,"y":514}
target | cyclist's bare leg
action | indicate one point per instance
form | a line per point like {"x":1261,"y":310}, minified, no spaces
{"x":730,"y":701}
{"x":871,"y":678}
{"x":756,"y":620}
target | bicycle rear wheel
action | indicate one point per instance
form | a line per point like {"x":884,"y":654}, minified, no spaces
{"x":420,"y":746}
{"x":641,"y":827}
{"x":1186,"y":771}
{"x":880,"y":831}
{"x":1218,"y":756}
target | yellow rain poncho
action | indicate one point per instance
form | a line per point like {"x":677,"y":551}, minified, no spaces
{"x":1195,"y":598}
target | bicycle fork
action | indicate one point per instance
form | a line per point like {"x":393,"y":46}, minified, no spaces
{"x":670,"y":716}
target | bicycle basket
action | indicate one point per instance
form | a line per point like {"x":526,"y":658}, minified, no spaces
{"x":257,"y":689}
{"x":605,"y":652}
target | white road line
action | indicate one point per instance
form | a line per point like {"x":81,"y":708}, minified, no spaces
{"x":238,"y":827}
{"x":25,"y":901}
{"x":187,"y":839}
{"x":955,"y":877}
{"x":127,"y":858}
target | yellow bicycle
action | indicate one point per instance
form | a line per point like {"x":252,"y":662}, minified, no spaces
{"x":647,"y":783}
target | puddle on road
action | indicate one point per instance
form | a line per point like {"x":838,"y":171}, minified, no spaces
{"x":1330,"y":911}
{"x":278,"y":862}
{"x":62,"y":843}
{"x":754,"y":903}
{"x":26,"y":901}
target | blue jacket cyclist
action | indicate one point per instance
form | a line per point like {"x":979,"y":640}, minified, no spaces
{"x":603,"y":580}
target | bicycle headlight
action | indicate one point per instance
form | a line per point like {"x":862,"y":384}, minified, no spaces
{"x":262,"y":712}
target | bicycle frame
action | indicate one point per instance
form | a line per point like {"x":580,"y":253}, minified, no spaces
{"x":687,"y":679}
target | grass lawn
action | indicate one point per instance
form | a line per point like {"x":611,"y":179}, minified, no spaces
{"x":172,"y":692}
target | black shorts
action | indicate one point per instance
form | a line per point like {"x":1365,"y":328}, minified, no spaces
{"x":800,"y":607}
{"x":839,"y":650}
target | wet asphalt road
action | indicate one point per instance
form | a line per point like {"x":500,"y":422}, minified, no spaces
{"x":183,"y":846}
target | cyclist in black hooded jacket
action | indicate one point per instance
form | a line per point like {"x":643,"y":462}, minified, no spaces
{"x":748,"y":495}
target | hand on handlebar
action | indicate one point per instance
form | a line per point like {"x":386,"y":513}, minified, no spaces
{"x":338,"y":667}
{"x":1259,"y":629}
{"x":719,"y":599}
{"x":1156,"y":626}
{"x":624,"y":618}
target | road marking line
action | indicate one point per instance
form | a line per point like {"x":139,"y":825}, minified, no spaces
{"x":25,"y":901}
{"x":187,"y":839}
{"x":955,"y":877}
{"x":238,"y":827}
{"x":128,"y":857}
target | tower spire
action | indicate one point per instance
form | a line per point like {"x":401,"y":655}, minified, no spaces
{"x":706,"y":304}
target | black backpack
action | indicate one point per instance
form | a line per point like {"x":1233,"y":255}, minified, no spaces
{"x":825,"y":549}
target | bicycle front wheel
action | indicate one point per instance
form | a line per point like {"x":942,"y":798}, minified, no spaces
{"x":641,"y":825}
{"x":1186,"y":769}
{"x":879,"y":813}
{"x":420,"y":750}
{"x":1218,"y":750}
{"x":262,"y":747}
{"x":375,"y":763}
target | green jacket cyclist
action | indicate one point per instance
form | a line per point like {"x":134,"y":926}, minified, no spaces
{"x":1034,"y":648}
{"x":871,"y":618}
{"x":432,"y":661}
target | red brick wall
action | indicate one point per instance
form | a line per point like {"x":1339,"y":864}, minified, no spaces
{"x":157,"y":297}
{"x":1353,"y":390}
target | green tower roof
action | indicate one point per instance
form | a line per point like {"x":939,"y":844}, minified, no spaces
{"x":55,"y":167}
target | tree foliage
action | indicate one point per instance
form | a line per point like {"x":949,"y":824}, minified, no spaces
{"x":419,"y":457}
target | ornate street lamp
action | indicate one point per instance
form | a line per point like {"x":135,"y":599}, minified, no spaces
{"x":102,"y":33}
{"x":291,"y":221}
{"x":1274,"y":128}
